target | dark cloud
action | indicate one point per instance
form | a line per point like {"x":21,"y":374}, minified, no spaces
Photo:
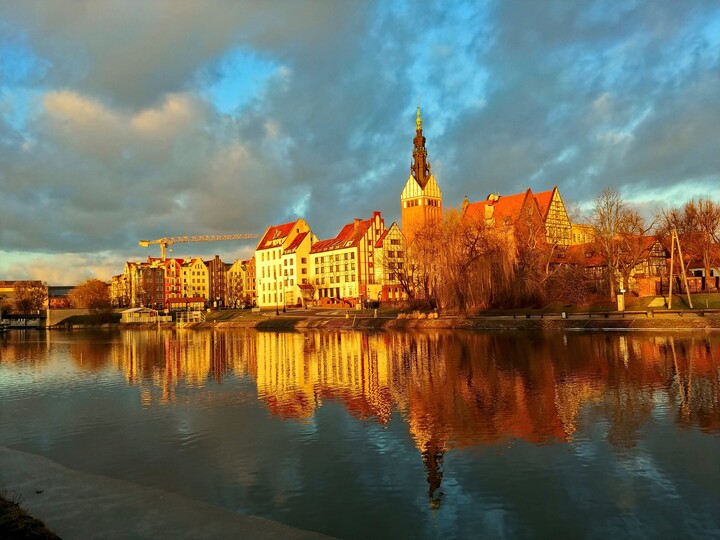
{"x":119,"y":143}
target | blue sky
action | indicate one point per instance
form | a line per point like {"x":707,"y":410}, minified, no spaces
{"x":122,"y":121}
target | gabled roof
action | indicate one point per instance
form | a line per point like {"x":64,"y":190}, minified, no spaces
{"x":588,"y":255}
{"x":296,"y":242}
{"x":585,"y":255}
{"x":506,"y":208}
{"x":273,"y":233}
{"x":380,"y":240}
{"x":544,"y":199}
{"x":349,"y":236}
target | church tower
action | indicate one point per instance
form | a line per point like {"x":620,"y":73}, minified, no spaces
{"x":421,"y":200}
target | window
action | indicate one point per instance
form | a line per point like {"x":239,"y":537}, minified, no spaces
{"x":303,"y":260}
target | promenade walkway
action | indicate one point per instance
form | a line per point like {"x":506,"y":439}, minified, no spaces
{"x":77,"y":505}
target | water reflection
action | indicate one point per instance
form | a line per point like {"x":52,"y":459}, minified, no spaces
{"x":453,"y":390}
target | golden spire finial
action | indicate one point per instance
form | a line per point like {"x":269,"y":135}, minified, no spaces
{"x":418,"y":120}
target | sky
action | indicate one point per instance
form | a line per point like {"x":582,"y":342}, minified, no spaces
{"x":127,"y":120}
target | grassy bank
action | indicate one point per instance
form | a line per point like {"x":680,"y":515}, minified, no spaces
{"x":15,"y":523}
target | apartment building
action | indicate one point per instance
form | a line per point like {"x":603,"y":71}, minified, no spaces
{"x":240,"y":283}
{"x":281,"y":261}
{"x":390,"y":265}
{"x":195,"y":279}
{"x":343,"y":269}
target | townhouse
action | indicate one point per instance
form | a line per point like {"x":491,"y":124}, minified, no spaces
{"x":343,"y":269}
{"x":281,"y":264}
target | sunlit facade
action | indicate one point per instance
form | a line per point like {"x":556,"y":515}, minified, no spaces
{"x":421,"y":198}
{"x":390,"y":261}
{"x":281,"y":257}
{"x":195,"y":279}
{"x":344,"y":269}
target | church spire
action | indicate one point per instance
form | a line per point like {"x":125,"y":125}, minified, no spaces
{"x":420,"y":167}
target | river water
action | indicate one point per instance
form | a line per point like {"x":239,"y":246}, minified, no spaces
{"x":388,"y":435}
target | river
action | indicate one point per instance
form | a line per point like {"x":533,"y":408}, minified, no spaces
{"x":432,"y":434}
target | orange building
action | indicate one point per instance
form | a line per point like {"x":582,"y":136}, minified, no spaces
{"x":421,"y":199}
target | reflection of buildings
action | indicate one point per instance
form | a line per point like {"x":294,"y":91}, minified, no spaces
{"x":454,"y":391}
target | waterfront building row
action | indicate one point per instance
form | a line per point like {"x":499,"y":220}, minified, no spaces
{"x":290,"y":267}
{"x":366,"y":260}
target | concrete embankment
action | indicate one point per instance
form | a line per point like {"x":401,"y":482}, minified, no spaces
{"x":78,"y":505}
{"x":660,"y":322}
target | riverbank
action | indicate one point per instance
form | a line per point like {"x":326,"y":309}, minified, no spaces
{"x":17,"y":524}
{"x":338,"y":320}
{"x":78,"y":505}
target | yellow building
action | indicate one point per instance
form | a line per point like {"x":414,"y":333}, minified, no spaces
{"x":558,"y":229}
{"x":240,"y":283}
{"x":195,"y":279}
{"x":421,"y":199}
{"x":390,"y":262}
{"x":582,"y":234}
{"x":281,"y":263}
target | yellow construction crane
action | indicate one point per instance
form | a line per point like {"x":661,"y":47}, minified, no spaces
{"x":165,"y":242}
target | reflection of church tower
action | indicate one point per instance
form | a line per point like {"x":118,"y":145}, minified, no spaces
{"x":432,"y":456}
{"x":421,"y":200}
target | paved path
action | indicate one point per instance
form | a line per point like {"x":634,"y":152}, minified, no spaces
{"x":78,"y":505}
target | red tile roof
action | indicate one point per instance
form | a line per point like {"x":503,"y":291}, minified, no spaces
{"x":380,"y":240}
{"x":349,"y":236}
{"x":585,"y":255}
{"x":544,"y":199}
{"x":273,"y":233}
{"x":505,"y":210}
{"x":296,"y":242}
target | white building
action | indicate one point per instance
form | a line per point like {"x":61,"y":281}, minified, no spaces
{"x":281,"y":263}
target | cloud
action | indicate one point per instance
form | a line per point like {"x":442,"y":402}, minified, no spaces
{"x":120,"y":123}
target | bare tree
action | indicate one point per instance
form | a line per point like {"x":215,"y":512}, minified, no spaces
{"x":698,"y":226}
{"x":633,"y":243}
{"x":462,"y":265}
{"x":533,"y":257}
{"x":30,"y":296}
{"x":621,"y":237}
{"x":234,"y":290}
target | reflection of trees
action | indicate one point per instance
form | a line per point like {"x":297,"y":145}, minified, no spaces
{"x":453,"y":390}
{"x":91,"y":355}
